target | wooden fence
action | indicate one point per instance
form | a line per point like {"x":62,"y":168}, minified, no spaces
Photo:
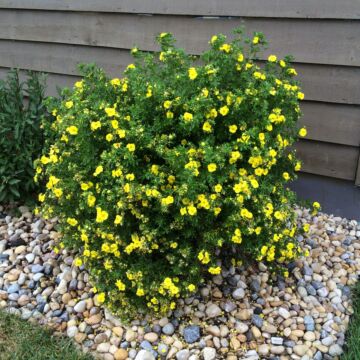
{"x":54,"y":36}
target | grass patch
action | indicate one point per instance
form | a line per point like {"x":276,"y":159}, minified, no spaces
{"x":352,"y":349}
{"x":21,"y":340}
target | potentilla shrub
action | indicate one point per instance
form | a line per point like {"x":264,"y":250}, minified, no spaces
{"x":153,"y":174}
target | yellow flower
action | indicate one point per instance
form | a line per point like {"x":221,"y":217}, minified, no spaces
{"x":69,"y":104}
{"x":292,"y":71}
{"x":218,"y":188}
{"x":272,"y":58}
{"x":254,"y":183}
{"x":115,"y":124}
{"x":207,"y":127}
{"x":192,"y":73}
{"x":169,"y":115}
{"x":282,"y":63}
{"x":130,"y":177}
{"x":163,"y":34}
{"x":86,"y":186}
{"x":72,"y":130}
{"x":167,"y":104}
{"x":44,"y":160}
{"x":99,"y":169}
{"x":41,"y":197}
{"x":255,"y":40}
{"x":300,"y":95}
{"x":306,"y":227}
{"x":316,"y":205}
{"x":240,"y":58}
{"x":212,"y":167}
{"x":302,"y":132}
{"x":224,"y":110}
{"x":115,"y":82}
{"x":110,"y":111}
{"x":215,"y":270}
{"x":58,"y":192}
{"x":109,"y":137}
{"x":120,"y":285}
{"x":213,"y":39}
{"x":121,"y":133}
{"x":130,"y":66}
{"x":72,"y":221}
{"x":167,"y":201}
{"x":91,"y":199}
{"x":183,"y":211}
{"x":118,"y":219}
{"x":191,"y":209}
{"x":78,"y":262}
{"x":217,"y":211}
{"x":188,"y":116}
{"x":100,"y":297}
{"x":286,"y":176}
{"x":130,"y":147}
{"x":94,"y":125}
{"x":101,"y":215}
{"x":64,"y":138}
{"x":246,"y":213}
{"x":225,"y":47}
{"x":140,"y":292}
{"x":233,"y":129}
{"x":204,"y":256}
{"x":191,"y":287}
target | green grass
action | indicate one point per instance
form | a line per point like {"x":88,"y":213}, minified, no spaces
{"x":352,"y":350}
{"x":20,"y":340}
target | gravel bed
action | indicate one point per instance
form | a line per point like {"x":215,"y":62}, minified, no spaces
{"x":244,"y":313}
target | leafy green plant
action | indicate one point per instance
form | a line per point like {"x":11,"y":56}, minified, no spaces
{"x":21,"y":137}
{"x":162,"y":176}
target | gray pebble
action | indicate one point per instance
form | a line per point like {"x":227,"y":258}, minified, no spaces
{"x":191,"y":334}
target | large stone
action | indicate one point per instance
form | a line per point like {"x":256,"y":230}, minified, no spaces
{"x":151,"y":337}
{"x":238,"y":294}
{"x":335,"y":350}
{"x":209,"y":353}
{"x":284,"y":313}
{"x":213,"y":311}
{"x":183,"y":354}
{"x":80,"y":307}
{"x":144,"y":355}
{"x":191,"y":334}
{"x":120,"y":354}
{"x":168,"y":329}
{"x":301,"y":349}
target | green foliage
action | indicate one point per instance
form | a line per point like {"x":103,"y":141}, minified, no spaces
{"x":21,"y":138}
{"x":159,"y":175}
{"x":352,"y":346}
{"x":19,"y":339}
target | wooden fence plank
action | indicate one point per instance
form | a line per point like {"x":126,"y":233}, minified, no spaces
{"x":310,"y":41}
{"x":339,"y":84}
{"x":318,"y":81}
{"x":346,"y":9}
{"x":337,"y":161}
{"x":59,"y":58}
{"x":333,"y":123}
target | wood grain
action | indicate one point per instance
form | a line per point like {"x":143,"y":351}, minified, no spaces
{"x":319,"y":9}
{"x":310,"y":41}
